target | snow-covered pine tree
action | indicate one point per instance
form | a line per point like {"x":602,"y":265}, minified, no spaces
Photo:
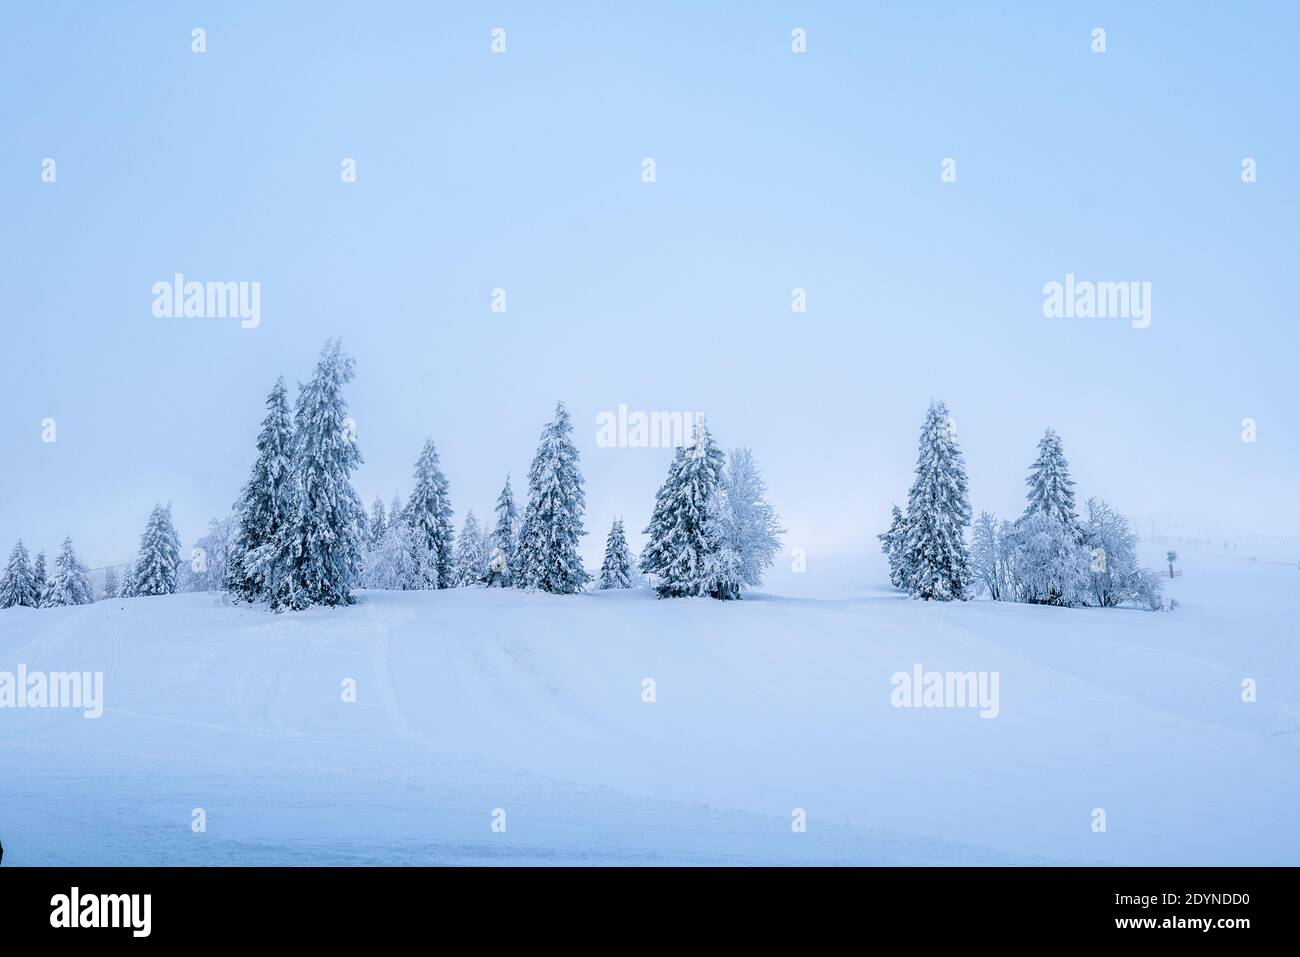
{"x":111,"y":583}
{"x":69,"y":585}
{"x":471,"y":554}
{"x":265,"y":507}
{"x":126,"y":585}
{"x":317,"y":558}
{"x":1051,"y":490}
{"x":935,"y":563}
{"x":746,"y":527}
{"x":616,"y":570}
{"x":503,"y":546}
{"x":17,"y":586}
{"x":363,"y":527}
{"x":40,"y":581}
{"x":891,"y":543}
{"x":396,"y":510}
{"x":378,"y":522}
{"x":683,"y":540}
{"x":428,"y":512}
{"x":548,"y":542}
{"x":157,"y":562}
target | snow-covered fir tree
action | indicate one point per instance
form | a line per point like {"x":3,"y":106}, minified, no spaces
{"x":40,"y":581}
{"x":683,"y":537}
{"x":428,"y":512}
{"x":396,"y":510}
{"x":503,"y":546}
{"x":317,"y":557}
{"x":616,"y":569}
{"x":363,"y":527}
{"x":548,"y":542}
{"x":125,"y":584}
{"x":111,"y":583}
{"x":69,"y":585}
{"x":1051,"y":490}
{"x":471,"y":554}
{"x":892,"y":541}
{"x":378,"y":521}
{"x":17,"y":585}
{"x":157,"y":563}
{"x":934,"y":562}
{"x":745,"y":526}
{"x":265,"y":508}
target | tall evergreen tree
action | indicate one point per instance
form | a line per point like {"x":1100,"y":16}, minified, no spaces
{"x":1051,"y":490}
{"x":891,"y":543}
{"x":548,"y":542}
{"x":396,"y":511}
{"x":265,"y":506}
{"x":317,"y":558}
{"x":428,"y":512}
{"x":69,"y":585}
{"x":683,"y":536}
{"x":378,"y":521}
{"x":471,"y":554}
{"x":18,"y":586}
{"x":504,"y":544}
{"x":616,"y":570}
{"x":40,"y":581}
{"x":935,"y":561}
{"x":157,"y":562}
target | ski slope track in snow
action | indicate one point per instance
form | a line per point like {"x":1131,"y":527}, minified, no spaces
{"x":472,"y":700}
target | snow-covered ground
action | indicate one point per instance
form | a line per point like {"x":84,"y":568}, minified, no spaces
{"x":475,"y":700}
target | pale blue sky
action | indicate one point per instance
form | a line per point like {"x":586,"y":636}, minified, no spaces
{"x":775,"y":170}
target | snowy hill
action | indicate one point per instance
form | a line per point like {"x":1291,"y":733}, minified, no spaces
{"x":473,"y":700}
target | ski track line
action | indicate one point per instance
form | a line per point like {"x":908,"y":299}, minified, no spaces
{"x":71,"y":713}
{"x":382,"y":659}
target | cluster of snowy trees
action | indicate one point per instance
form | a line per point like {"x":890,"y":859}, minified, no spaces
{"x":1048,"y":556}
{"x":26,"y":583}
{"x":155,"y":572}
{"x":298,"y":535}
{"x":413,"y":545}
{"x":298,"y":540}
{"x":712,"y":530}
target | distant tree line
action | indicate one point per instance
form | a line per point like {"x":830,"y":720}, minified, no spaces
{"x":298,"y":535}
